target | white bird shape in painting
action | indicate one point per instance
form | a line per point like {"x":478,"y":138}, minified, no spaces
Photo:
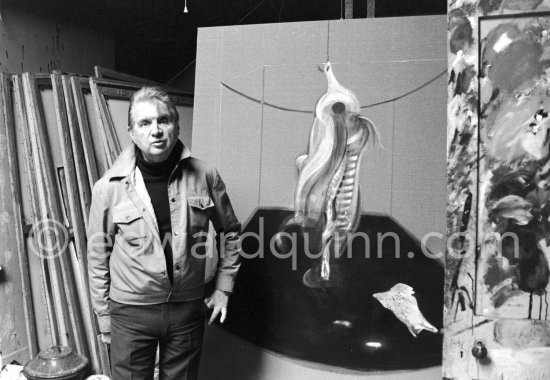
{"x":400,"y":301}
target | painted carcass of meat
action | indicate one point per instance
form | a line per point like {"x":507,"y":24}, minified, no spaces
{"x":327,"y":199}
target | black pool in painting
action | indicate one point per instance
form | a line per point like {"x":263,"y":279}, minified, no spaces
{"x":341,"y":326}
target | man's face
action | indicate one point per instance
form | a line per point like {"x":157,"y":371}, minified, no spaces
{"x":154,"y":130}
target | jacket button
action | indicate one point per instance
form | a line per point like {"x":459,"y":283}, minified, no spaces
{"x":178,"y":267}
{"x":176,"y":233}
{"x":173,"y":200}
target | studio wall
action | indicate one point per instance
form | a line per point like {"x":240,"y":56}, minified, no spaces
{"x":34,"y":43}
{"x":395,"y":67}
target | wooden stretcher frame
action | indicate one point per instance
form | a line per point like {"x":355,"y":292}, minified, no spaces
{"x":21,"y":251}
{"x":21,"y":110}
{"x":77,"y":191}
{"x":109,"y":74}
{"x":102,"y":90}
{"x":65,"y":298}
{"x":80,"y":87}
{"x":107,"y":131}
{"x":85,"y":172}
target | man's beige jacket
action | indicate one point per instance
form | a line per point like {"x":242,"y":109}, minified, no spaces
{"x":126,"y":261}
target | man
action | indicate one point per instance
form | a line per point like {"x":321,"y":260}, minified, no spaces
{"x":146,"y":246}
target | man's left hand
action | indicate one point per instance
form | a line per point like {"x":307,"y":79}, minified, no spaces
{"x":218,"y":302}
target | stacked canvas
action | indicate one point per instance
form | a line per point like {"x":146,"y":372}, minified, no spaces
{"x":62,"y":133}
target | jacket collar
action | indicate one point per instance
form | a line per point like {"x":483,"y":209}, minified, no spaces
{"x":126,"y":161}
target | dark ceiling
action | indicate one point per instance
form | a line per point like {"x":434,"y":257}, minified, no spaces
{"x":156,"y":40}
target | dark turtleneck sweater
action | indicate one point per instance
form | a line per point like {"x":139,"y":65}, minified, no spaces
{"x":156,"y":177}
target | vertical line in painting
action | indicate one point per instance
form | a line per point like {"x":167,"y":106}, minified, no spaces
{"x":392,"y":138}
{"x":219,"y":127}
{"x":328,"y":41}
{"x":261,"y":138}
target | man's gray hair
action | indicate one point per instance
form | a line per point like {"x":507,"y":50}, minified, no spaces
{"x":152,"y":94}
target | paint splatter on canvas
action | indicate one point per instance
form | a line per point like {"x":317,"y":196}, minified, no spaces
{"x":514,"y":167}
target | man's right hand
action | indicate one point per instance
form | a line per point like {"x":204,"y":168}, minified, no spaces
{"x":106,"y":338}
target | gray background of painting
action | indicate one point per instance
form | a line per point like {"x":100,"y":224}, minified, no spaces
{"x":254,"y":147}
{"x":255,"y":151}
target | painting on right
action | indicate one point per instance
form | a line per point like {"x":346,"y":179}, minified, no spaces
{"x":513,"y":232}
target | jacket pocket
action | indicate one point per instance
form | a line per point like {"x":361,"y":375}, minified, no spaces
{"x":131,"y":226}
{"x":200,"y":208}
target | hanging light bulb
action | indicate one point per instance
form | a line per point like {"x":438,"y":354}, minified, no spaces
{"x":185,"y":8}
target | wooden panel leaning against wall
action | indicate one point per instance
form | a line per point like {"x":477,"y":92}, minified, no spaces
{"x":57,"y":203}
{"x":496,"y":321}
{"x":17,"y":334}
{"x":37,"y":266}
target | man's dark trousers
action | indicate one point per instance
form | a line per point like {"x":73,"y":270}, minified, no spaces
{"x":177,"y":328}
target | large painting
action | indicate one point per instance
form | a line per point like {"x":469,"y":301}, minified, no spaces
{"x":514,"y":172}
{"x":320,"y":281}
